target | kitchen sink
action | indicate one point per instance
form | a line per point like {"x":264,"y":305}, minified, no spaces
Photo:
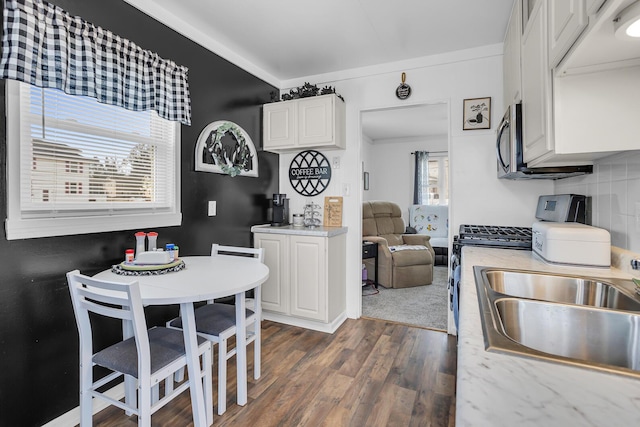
{"x":581,"y":321}
{"x":617,"y":294}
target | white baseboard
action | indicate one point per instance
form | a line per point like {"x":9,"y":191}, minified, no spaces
{"x":304,"y":323}
{"x":72,"y":417}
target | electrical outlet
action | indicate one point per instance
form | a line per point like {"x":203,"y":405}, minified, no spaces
{"x":212,"y":208}
{"x":335,"y":162}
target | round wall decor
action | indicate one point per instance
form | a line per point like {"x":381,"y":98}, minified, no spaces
{"x":224,"y":147}
{"x":404,"y":90}
{"x":309,"y":173}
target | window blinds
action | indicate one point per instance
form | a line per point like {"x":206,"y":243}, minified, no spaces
{"x":84,"y":157}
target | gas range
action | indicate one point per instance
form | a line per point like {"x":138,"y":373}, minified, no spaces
{"x":496,"y":236}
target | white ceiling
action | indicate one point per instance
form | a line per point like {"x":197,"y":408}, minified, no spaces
{"x":290,"y":39}
{"x":280,"y":40}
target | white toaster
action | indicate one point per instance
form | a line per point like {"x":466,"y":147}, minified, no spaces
{"x":572,"y":243}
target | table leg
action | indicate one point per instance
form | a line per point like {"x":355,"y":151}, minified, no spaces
{"x":193,"y":364}
{"x":375,"y":284}
{"x":241,"y":348}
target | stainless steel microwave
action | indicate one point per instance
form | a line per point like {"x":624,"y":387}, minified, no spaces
{"x":509,"y":152}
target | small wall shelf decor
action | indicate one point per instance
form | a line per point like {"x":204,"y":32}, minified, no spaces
{"x":332,"y":211}
{"x":404,"y":90}
{"x":224,"y":147}
{"x":477,"y":113}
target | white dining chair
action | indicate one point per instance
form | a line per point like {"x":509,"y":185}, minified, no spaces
{"x":148,"y":356}
{"x":217,"y":323}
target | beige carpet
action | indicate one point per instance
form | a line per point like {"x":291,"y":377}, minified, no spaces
{"x":424,"y":306}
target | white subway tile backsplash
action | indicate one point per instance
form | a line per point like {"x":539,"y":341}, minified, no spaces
{"x":618,"y":164}
{"x":618,"y":197}
{"x":633,"y":165}
{"x":614,"y":188}
{"x":618,"y":230}
{"x":633,"y":196}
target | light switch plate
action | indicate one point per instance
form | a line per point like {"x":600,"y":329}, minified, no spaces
{"x":212,"y":208}
{"x":335,"y":162}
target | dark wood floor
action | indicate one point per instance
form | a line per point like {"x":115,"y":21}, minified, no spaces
{"x":369,"y":373}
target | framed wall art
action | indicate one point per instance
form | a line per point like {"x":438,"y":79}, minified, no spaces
{"x":477,"y":113}
{"x":224,"y":147}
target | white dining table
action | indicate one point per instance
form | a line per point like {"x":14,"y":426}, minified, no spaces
{"x":203,"y":278}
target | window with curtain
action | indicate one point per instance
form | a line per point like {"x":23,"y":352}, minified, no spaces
{"x":78,"y":166}
{"x":431,"y":183}
{"x":93,"y":129}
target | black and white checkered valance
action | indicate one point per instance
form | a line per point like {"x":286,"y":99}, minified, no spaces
{"x":46,"y":47}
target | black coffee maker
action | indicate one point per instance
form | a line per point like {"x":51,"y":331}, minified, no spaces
{"x":280,"y":214}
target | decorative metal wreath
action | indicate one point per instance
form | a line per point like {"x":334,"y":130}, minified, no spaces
{"x":224,"y":147}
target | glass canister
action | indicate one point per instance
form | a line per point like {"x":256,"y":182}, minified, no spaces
{"x":298,"y":220}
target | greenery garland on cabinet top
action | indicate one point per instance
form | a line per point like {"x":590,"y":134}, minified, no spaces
{"x":305,"y":91}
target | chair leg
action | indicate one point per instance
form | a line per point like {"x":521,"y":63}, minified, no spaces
{"x":208,"y":386}
{"x":179,"y":375}
{"x":257,"y":348}
{"x":155,"y":393}
{"x":168,"y":385}
{"x":144,"y":405}
{"x":86,"y":401}
{"x":222,"y":376}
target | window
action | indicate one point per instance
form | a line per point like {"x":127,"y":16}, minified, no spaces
{"x":78,"y":166}
{"x":434,"y":185}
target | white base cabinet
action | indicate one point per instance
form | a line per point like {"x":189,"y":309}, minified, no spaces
{"x":306,"y":285}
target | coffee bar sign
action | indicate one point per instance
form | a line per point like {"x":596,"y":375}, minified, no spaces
{"x":309,"y":173}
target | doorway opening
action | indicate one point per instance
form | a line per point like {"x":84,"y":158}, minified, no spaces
{"x":390,"y":139}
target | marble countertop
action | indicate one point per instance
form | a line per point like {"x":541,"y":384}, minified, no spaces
{"x":300,"y":231}
{"x":501,"y":390}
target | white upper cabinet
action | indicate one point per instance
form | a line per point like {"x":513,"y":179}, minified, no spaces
{"x":597,"y":48}
{"x":592,"y":6}
{"x":567,"y":20}
{"x":579,"y":83}
{"x":511,"y":63}
{"x":314,"y":122}
{"x":536,"y":86}
{"x":279,"y":121}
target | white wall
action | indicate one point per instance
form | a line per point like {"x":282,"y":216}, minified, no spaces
{"x":391,"y":167}
{"x":477,"y":196}
{"x":615,"y":191}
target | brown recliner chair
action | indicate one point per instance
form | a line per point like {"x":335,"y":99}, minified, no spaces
{"x":399,"y":266}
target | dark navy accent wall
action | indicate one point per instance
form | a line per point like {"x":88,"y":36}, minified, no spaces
{"x":38,"y":334}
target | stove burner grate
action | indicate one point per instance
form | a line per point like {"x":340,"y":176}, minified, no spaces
{"x":493,"y":231}
{"x":494,"y":236}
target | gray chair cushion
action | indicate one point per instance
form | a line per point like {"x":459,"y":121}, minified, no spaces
{"x":166,"y":345}
{"x":212,"y":319}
